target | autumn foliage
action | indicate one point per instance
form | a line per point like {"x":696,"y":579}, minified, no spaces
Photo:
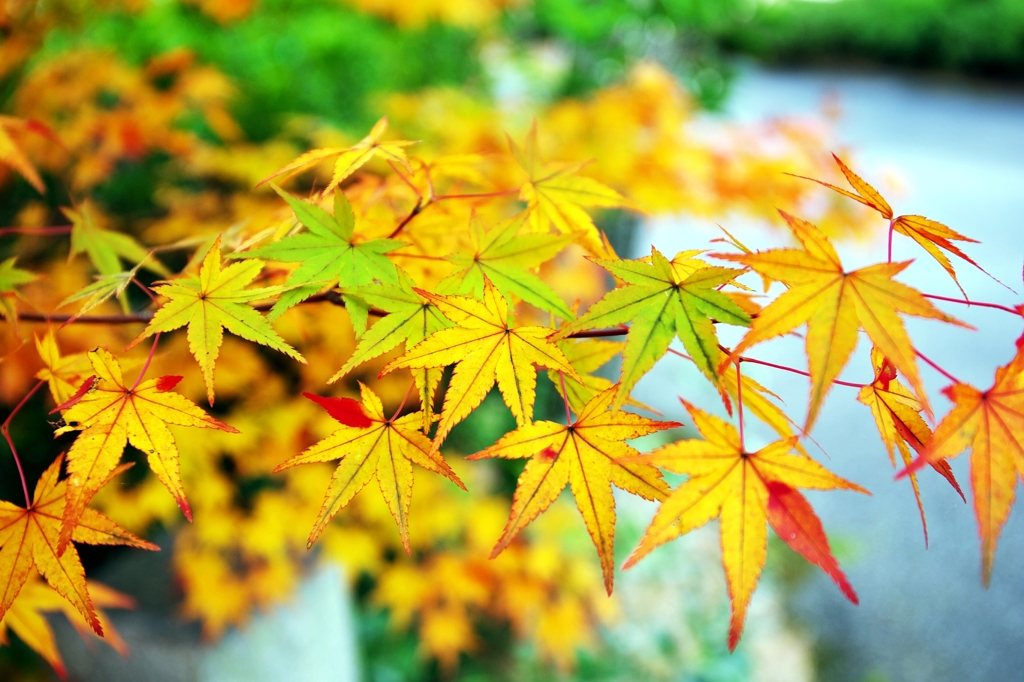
{"x":353,"y":301}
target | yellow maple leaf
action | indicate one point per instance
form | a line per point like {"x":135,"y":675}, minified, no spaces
{"x":586,"y":455}
{"x":213,"y":301}
{"x":747,"y":490}
{"x":63,"y":373}
{"x":111,"y":414}
{"x":835,"y":304}
{"x":371,"y":446}
{"x":486,"y":350}
{"x":350,"y":159}
{"x":29,"y":537}
{"x":555,"y":196}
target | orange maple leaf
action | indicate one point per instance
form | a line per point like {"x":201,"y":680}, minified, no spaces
{"x":747,"y":490}
{"x":930,"y":234}
{"x":29,"y":537}
{"x":990,"y":423}
{"x":112,"y":414}
{"x":589,"y":456}
{"x":835,"y":304}
{"x":371,"y":446}
{"x":897,"y":416}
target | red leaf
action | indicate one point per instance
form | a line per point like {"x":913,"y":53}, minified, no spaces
{"x":346,"y":410}
{"x":793,"y":519}
{"x":167,"y":383}
{"x":79,"y":394}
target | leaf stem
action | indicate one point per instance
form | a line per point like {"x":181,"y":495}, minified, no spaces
{"x":892,"y":225}
{"x":936,"y":367}
{"x":565,"y":398}
{"x":485,"y":195}
{"x":5,"y":428}
{"x":145,"y":367}
{"x":401,"y":405}
{"x":967,"y":303}
{"x":739,"y":401}
{"x":797,"y":371}
{"x":598,"y":333}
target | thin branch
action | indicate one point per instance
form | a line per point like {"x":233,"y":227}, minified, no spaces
{"x":5,"y":428}
{"x":416,"y":210}
{"x":144,"y":316}
{"x":598,"y":333}
{"x":965,"y":302}
{"x":52,"y":229}
{"x":936,"y":367}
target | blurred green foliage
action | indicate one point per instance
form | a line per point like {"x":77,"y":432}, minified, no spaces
{"x":982,"y":37}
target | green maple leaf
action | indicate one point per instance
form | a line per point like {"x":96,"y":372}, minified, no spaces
{"x":211,"y":302}
{"x":506,"y":258}
{"x":106,"y":248}
{"x":662,"y":300}
{"x":327,"y":254}
{"x":410,"y":319}
{"x":10,"y":278}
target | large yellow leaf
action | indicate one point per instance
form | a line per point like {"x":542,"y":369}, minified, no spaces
{"x":350,"y":159}
{"x":485,"y":349}
{"x":835,"y":304}
{"x":747,"y":490}
{"x":29,"y":537}
{"x":586,"y":455}
{"x":112,"y":414}
{"x":371,"y":446}
{"x":213,"y":301}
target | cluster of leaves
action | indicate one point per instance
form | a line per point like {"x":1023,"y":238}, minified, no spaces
{"x":420,"y":280}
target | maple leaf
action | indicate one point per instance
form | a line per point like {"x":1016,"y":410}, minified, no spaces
{"x":587,"y":356}
{"x":63,"y":373}
{"x":29,"y":537}
{"x":371,"y":446}
{"x":990,"y":423}
{"x":485,"y":350}
{"x":835,"y":304}
{"x":746,"y":490}
{"x":25,"y":618}
{"x":897,"y":416}
{"x":555,"y":196}
{"x":930,"y":234}
{"x":13,"y":156}
{"x":11,"y":278}
{"x":327,"y":253}
{"x":660,"y":305}
{"x":106,"y":248}
{"x":100,"y":291}
{"x":350,"y":159}
{"x":112,"y":414}
{"x":411,"y":318}
{"x":505,"y":257}
{"x":213,"y":301}
{"x":589,"y":456}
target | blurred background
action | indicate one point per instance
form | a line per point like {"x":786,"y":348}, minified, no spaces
{"x":168,"y":112}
